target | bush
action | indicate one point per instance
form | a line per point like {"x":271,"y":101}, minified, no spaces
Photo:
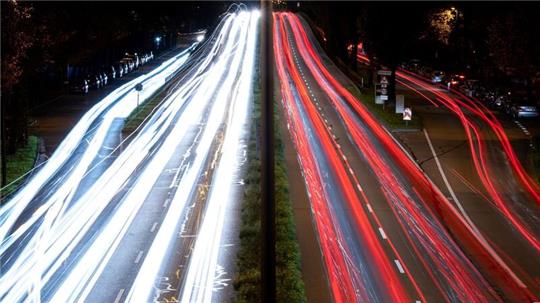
{"x":19,"y":163}
{"x":289,"y":284}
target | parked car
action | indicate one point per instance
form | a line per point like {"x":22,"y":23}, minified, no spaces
{"x":413,"y":65}
{"x":437,"y":77}
{"x":104,"y":78}
{"x":124,"y":67}
{"x":453,"y":80}
{"x":94,"y":81}
{"x":119,"y":70}
{"x":468,"y":87}
{"x":145,"y":58}
{"x":79,"y":86}
{"x":111,"y":72}
{"x":135,"y":58}
{"x":129,"y":62}
{"x":500,"y":100}
{"x":524,"y":108}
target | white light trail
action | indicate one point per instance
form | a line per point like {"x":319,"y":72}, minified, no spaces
{"x":220,"y":85}
{"x":199,"y":284}
{"x":34,"y":259}
{"x":238,"y":93}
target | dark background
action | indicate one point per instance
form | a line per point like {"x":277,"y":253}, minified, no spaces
{"x":43,"y":43}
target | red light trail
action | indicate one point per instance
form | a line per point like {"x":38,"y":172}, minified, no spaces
{"x":450,"y":270}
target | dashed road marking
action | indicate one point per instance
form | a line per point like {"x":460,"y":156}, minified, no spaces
{"x":398,"y":264}
{"x":119,"y":295}
{"x":369,"y":208}
{"x":153,"y":227}
{"x":139,"y":256}
{"x":523,"y":128}
{"x":381,"y":231}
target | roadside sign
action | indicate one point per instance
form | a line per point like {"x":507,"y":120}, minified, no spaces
{"x":407,"y":114}
{"x":384,"y":72}
{"x":381,"y":86}
{"x":400,"y":104}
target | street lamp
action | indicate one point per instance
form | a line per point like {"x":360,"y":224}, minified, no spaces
{"x":158,"y":41}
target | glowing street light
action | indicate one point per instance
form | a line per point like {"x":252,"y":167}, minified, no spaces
{"x":200,"y":38}
{"x":158,"y":41}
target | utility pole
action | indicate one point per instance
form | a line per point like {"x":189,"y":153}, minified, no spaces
{"x":268,"y":223}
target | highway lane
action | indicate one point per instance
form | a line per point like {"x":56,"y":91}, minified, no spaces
{"x":180,"y":138}
{"x":416,"y":203}
{"x":501,"y":217}
{"x":75,"y":154}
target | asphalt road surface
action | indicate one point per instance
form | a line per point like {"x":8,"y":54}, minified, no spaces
{"x":147,"y":221}
{"x":386,"y":232}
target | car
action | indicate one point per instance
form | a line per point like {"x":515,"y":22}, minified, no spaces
{"x":524,"y":108}
{"x":413,"y":65}
{"x":104,"y":78}
{"x":111,"y":72}
{"x":79,"y":86}
{"x":135,"y":58}
{"x":129,"y":62}
{"x":437,"y":77}
{"x":453,"y":80}
{"x":124,"y":67}
{"x":94,"y":81}
{"x":468,"y":87}
{"x":500,"y":100}
{"x":426,"y":71}
{"x":506,"y":106}
{"x":119,"y":70}
{"x":145,"y":58}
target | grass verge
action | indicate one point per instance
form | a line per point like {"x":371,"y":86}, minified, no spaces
{"x":289,"y":283}
{"x":136,"y":118}
{"x":20,"y":163}
{"x":387,"y":114}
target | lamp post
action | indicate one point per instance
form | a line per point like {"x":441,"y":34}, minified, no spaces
{"x":138,"y":88}
{"x":158,"y":42}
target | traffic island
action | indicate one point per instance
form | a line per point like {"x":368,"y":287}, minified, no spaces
{"x":289,"y":283}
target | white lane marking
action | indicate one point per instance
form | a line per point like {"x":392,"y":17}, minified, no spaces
{"x":166,"y":202}
{"x":139,"y":256}
{"x":417,"y":301}
{"x":469,"y":221}
{"x":153,"y":227}
{"x":443,"y":175}
{"x":119,"y":295}
{"x":359,"y":187}
{"x":381,"y":231}
{"x":175,"y":178}
{"x":523,"y":128}
{"x":369,"y":208}
{"x":398,"y":264}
